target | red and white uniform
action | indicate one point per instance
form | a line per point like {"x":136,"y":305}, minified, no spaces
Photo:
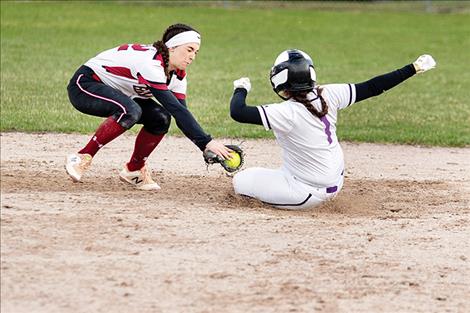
{"x":131,"y":67}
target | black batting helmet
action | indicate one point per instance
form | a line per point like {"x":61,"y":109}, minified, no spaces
{"x":292,"y":71}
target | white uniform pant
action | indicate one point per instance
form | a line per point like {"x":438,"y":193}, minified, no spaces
{"x":282,"y":190}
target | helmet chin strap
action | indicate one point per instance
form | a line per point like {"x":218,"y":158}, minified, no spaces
{"x":281,"y":96}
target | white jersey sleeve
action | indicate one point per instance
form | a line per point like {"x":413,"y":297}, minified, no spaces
{"x":339,"y":95}
{"x":278,"y":117}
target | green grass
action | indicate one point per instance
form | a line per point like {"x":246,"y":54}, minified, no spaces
{"x":42,"y":44}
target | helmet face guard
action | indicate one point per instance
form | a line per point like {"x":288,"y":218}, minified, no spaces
{"x":292,"y":71}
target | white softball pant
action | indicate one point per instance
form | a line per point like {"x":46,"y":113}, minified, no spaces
{"x":282,"y":190}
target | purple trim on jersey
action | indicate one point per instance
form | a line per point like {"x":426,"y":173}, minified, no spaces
{"x":119,"y":71}
{"x":159,"y":86}
{"x":102,"y":98}
{"x":266,"y":116}
{"x":350,"y":95}
{"x":180,"y":96}
{"x":327,"y":128}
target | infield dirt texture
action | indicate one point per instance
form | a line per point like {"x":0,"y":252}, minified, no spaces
{"x":394,"y":240}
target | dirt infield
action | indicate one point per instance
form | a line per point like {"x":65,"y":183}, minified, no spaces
{"x":395,"y":240}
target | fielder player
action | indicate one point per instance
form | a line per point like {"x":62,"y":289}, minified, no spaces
{"x":118,"y":84}
{"x":304,"y":125}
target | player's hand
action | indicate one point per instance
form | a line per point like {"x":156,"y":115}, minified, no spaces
{"x":243,"y":82}
{"x":424,"y":63}
{"x":231,"y":165}
{"x":219,"y":149}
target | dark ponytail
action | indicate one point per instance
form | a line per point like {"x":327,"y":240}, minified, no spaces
{"x":301,"y":97}
{"x":163,"y":50}
{"x":169,"y":33}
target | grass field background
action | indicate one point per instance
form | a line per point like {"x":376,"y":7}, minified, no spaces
{"x":42,"y":44}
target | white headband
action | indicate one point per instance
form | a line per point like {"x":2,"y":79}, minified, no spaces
{"x":183,"y":38}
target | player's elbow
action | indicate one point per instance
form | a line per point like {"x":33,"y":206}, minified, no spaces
{"x":237,"y":114}
{"x":235,"y":109}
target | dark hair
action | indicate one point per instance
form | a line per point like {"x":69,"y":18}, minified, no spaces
{"x":301,"y":96}
{"x":169,"y":33}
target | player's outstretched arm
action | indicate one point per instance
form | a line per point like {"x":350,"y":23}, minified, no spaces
{"x":239,"y":111}
{"x":184,"y":119}
{"x":188,"y":124}
{"x":379,"y":84}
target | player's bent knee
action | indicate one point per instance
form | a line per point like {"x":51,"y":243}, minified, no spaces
{"x":242,"y":182}
{"x":130,"y":118}
{"x":134,"y":114}
{"x":237,"y":182}
{"x":159,"y":123}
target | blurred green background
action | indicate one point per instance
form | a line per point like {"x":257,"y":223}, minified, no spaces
{"x":43,"y":43}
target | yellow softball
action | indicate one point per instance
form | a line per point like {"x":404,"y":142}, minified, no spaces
{"x":234,"y":161}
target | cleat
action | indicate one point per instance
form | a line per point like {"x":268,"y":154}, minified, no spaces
{"x":77,"y":164}
{"x":140,"y":179}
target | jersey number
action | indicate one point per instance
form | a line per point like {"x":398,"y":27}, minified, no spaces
{"x":135,"y":47}
{"x":141,"y":91}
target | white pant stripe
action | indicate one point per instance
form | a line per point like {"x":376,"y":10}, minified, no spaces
{"x":102,"y":98}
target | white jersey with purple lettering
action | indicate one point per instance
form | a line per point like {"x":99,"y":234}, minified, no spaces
{"x":312,"y":158}
{"x":131,"y":68}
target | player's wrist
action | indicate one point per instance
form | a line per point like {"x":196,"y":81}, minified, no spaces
{"x":243,"y":82}
{"x":241,"y":90}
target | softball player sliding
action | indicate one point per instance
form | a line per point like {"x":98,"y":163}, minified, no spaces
{"x":304,"y":125}
{"x":118,"y":84}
